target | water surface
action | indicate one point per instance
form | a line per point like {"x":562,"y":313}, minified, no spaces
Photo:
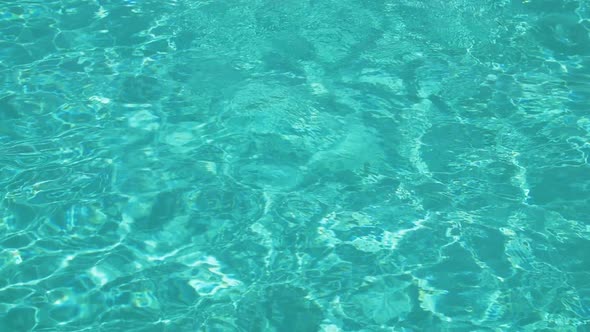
{"x":294,"y":165}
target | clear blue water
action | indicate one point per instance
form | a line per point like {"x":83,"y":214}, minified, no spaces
{"x":312,"y":165}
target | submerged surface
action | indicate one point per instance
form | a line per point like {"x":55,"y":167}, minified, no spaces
{"x":310,"y":165}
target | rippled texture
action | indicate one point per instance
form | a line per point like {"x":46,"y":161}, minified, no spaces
{"x":258,"y":165}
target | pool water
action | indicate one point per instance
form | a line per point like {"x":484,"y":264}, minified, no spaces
{"x":315,"y":165}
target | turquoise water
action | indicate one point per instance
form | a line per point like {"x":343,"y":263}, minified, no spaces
{"x":312,"y":165}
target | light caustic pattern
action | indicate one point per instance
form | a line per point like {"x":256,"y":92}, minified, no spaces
{"x":294,"y":165}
